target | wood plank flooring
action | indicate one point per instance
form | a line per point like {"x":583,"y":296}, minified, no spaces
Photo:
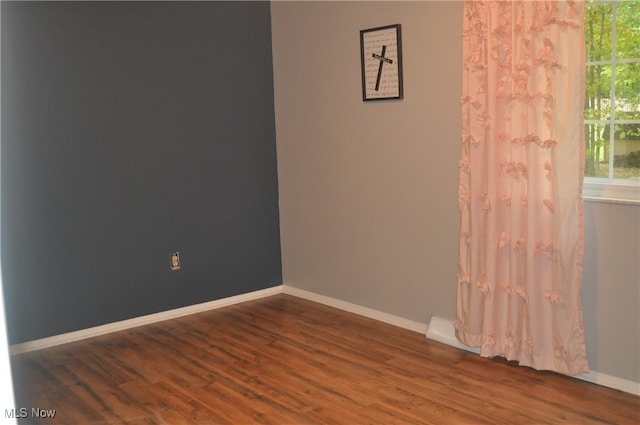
{"x":285,"y":360}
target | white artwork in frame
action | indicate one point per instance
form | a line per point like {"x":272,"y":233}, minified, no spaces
{"x":381,"y":59}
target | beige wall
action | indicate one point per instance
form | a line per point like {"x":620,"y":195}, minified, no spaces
{"x":368,"y":190}
{"x":611,"y":288}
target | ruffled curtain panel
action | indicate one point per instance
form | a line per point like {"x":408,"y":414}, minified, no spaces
{"x":520,"y":192}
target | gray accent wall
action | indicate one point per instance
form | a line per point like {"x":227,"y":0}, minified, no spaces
{"x":131,"y":130}
{"x":369,"y":190}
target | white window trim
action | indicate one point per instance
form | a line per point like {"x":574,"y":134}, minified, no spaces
{"x":606,"y":189}
{"x":621,"y":192}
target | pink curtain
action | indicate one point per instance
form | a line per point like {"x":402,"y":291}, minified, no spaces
{"x":520,"y":193}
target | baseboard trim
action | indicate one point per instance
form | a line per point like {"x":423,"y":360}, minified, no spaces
{"x":442,"y":330}
{"x":611,"y":382}
{"x":51,"y":341}
{"x":357,"y":309}
{"x":439,"y":329}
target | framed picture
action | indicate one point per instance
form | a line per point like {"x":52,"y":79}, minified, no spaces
{"x":381,"y":58}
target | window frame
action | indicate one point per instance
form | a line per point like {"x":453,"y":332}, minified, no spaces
{"x":609,"y":188}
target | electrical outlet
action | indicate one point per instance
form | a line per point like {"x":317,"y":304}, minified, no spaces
{"x":174,"y":261}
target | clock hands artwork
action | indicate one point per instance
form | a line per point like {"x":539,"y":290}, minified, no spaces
{"x":381,"y":58}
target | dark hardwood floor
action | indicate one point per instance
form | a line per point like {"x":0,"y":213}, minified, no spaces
{"x":285,"y":360}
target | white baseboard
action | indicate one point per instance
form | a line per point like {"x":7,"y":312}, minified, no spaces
{"x":51,"y":341}
{"x":611,"y":382}
{"x":438,"y":329}
{"x":357,"y":309}
{"x":442,"y":330}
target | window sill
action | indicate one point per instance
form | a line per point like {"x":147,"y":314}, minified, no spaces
{"x":610,"y":200}
{"x":594,"y":191}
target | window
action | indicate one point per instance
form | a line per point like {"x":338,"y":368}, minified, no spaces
{"x":612,"y":102}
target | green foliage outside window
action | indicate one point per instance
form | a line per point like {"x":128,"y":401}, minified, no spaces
{"x":612,"y":36}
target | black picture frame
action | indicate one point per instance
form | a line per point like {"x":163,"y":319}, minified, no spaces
{"x":381,"y":62}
